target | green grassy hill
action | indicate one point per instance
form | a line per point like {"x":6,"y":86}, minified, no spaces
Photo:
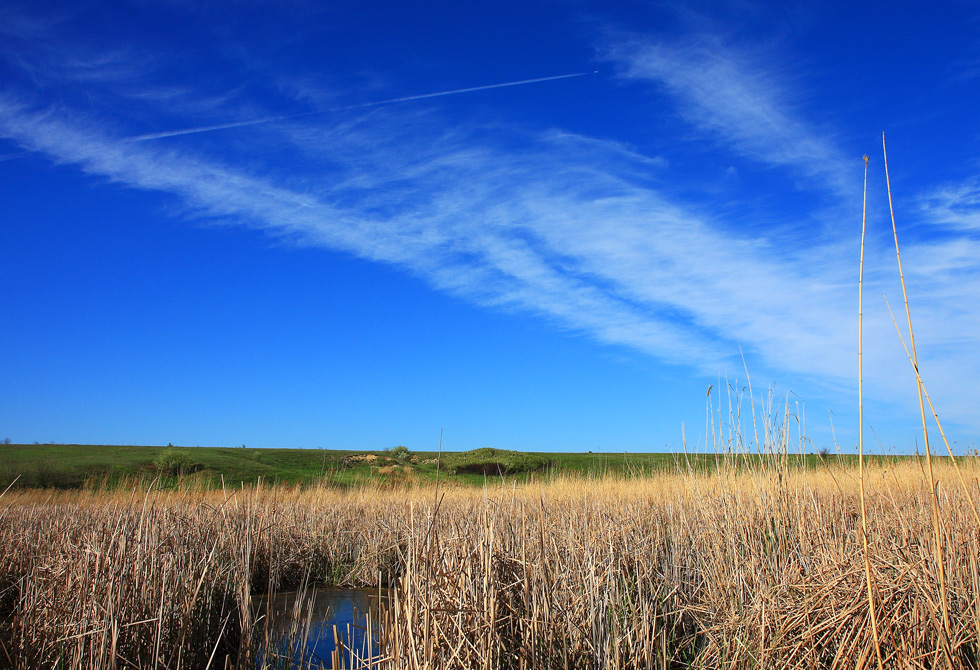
{"x":93,"y":466}
{"x":75,"y":465}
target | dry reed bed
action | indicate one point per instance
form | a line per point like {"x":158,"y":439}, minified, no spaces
{"x":761,"y":569}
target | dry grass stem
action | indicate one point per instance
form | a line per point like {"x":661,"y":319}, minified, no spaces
{"x":937,"y":523}
{"x":869,"y":580}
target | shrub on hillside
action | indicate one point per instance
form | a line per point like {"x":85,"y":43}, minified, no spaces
{"x":400,"y":453}
{"x":487,"y":461}
{"x":175,"y":462}
{"x":49,"y":475}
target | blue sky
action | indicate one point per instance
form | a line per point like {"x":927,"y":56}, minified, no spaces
{"x":565,"y":264}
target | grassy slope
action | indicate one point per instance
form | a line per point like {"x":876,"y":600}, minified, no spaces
{"x":72,"y":465}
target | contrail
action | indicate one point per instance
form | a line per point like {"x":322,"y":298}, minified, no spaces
{"x":423,"y":96}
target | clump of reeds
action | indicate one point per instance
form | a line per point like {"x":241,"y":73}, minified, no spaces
{"x":757,"y":566}
{"x":166,"y":579}
{"x":677,"y":572}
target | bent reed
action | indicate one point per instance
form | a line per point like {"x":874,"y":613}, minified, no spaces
{"x":743,"y":567}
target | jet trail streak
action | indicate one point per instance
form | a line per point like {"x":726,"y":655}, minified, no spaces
{"x":408,"y":98}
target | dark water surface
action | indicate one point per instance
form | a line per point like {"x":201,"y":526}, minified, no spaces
{"x":301,"y":625}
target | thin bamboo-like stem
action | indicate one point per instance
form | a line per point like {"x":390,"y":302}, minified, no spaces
{"x":748,"y":380}
{"x":864,"y":514}
{"x":430,"y":542}
{"x":937,"y":528}
{"x":935,"y":415}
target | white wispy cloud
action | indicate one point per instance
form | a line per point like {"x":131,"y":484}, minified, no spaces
{"x":565,"y":226}
{"x":559,"y":228}
{"x":747,"y":106}
{"x":730,"y":94}
{"x":37,"y":46}
{"x":953,"y":205}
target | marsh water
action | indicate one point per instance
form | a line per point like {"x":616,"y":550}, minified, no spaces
{"x":304,"y":627}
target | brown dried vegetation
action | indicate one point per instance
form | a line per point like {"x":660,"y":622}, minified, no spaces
{"x":760,"y":567}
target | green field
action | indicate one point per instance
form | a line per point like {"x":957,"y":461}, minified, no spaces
{"x":95,"y":466}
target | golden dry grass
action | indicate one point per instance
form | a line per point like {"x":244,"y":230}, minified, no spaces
{"x":758,"y":568}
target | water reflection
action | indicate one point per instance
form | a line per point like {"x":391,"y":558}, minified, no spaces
{"x":304,"y":628}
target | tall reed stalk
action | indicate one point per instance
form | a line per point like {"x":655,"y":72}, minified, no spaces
{"x":934,"y":498}
{"x":869,"y":580}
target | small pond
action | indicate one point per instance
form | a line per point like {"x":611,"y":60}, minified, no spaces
{"x":305,"y":626}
